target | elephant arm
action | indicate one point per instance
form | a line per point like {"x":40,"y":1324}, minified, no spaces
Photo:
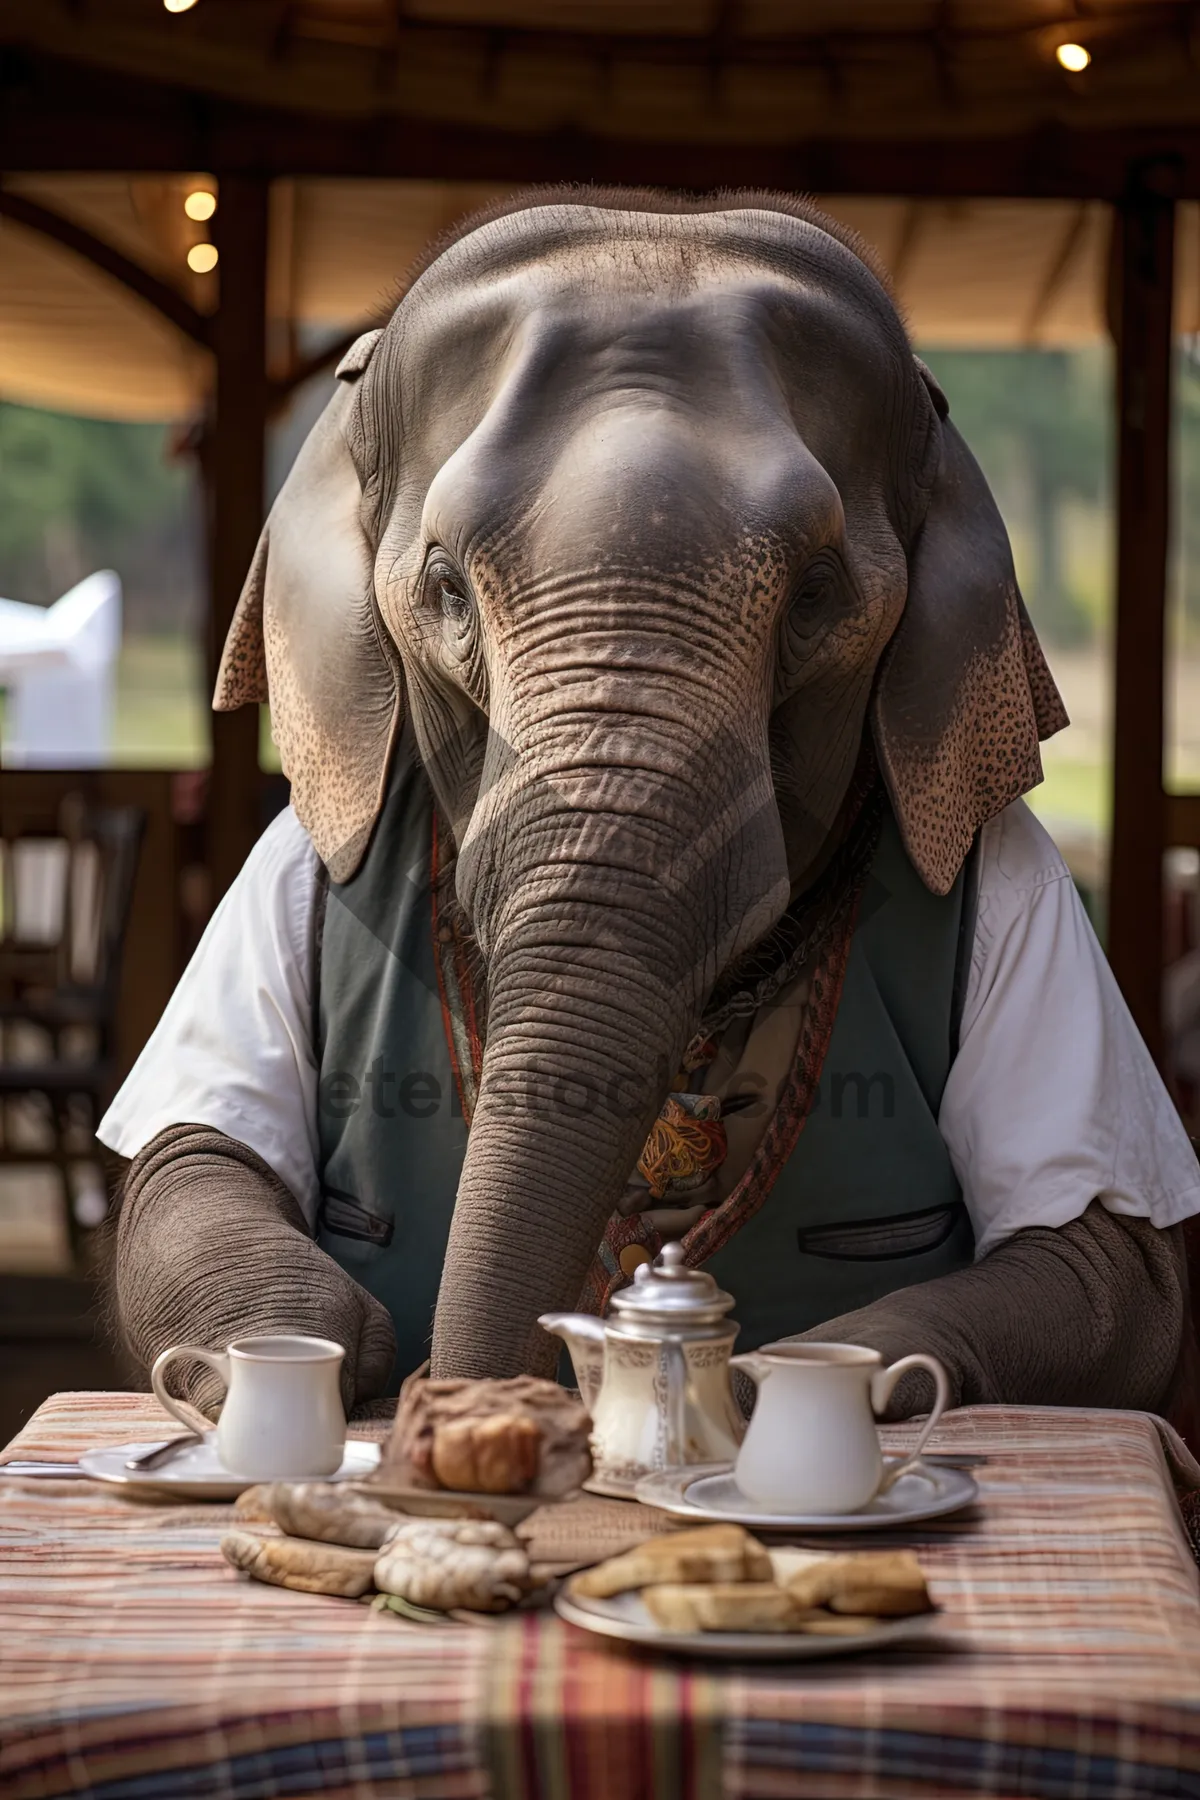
{"x":210,"y":1246}
{"x":1091,"y":1313}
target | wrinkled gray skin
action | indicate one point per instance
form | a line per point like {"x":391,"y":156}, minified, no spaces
{"x":656,"y":560}
{"x":625,"y":510}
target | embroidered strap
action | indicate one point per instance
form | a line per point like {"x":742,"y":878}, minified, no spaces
{"x":618,"y":1255}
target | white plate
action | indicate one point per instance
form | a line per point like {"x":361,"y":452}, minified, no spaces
{"x":625,"y":1616}
{"x":711,"y":1494}
{"x":455,"y":1503}
{"x":197,"y":1473}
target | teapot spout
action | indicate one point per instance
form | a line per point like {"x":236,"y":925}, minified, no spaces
{"x":583,"y":1334}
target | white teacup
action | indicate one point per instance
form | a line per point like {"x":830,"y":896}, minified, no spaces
{"x":812,"y":1445}
{"x":283,"y":1416}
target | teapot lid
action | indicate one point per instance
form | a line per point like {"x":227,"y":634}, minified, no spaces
{"x":668,"y":1290}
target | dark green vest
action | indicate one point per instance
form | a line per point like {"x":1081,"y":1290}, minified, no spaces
{"x":866,"y":1203}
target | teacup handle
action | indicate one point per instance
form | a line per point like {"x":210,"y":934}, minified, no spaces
{"x":881,"y":1392}
{"x":216,"y":1360}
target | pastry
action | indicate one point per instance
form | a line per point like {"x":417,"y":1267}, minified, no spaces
{"x":295,"y":1563}
{"x":499,"y":1454}
{"x":710,"y":1553}
{"x":449,"y":1563}
{"x":490,"y":1437}
{"x":323,"y":1511}
{"x":723,"y":1606}
{"x":883,"y":1583}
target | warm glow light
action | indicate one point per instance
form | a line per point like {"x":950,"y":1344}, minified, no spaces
{"x":179,"y":5}
{"x":200,"y":205}
{"x":202,"y":258}
{"x":1073,"y":57}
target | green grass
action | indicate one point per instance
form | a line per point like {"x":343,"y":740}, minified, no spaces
{"x":1074,"y":794}
{"x":162,"y":709}
{"x":161,"y":717}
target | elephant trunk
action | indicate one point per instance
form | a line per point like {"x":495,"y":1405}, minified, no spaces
{"x":607,"y":900}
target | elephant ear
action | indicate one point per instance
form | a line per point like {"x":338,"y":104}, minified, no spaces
{"x":964,"y":695}
{"x":307,"y":637}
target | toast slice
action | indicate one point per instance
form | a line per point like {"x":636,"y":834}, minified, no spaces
{"x":724,"y":1606}
{"x":881,"y":1583}
{"x":825,"y":1624}
{"x":710,"y":1553}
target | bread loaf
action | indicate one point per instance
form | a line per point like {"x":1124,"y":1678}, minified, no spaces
{"x":489,"y":1437}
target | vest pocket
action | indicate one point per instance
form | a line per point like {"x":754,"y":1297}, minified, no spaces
{"x":880,"y":1240}
{"x":341,"y":1215}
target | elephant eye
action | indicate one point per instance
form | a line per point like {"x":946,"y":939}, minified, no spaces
{"x":452,"y":600}
{"x":815,"y":584}
{"x":448,"y":592}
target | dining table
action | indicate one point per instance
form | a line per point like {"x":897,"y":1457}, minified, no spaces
{"x":1063,"y":1660}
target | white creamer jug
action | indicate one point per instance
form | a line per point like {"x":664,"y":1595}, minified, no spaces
{"x":812,"y":1445}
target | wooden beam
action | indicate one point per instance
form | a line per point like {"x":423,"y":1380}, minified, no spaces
{"x":235,"y":470}
{"x":61,"y":115}
{"x":1182,"y":829}
{"x":1142,"y":284}
{"x":159,"y":294}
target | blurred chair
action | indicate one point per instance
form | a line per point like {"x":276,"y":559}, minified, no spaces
{"x":65,"y":898}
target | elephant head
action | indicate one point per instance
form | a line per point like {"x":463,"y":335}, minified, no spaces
{"x":645,"y":514}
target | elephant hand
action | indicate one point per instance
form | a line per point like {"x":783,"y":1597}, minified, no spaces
{"x":211,"y":1246}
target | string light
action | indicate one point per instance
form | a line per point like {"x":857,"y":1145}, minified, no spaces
{"x":1073,"y":57}
{"x":202,"y":258}
{"x":200,"y":205}
{"x":179,"y":5}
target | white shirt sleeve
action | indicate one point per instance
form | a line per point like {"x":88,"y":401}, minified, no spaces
{"x":234,"y":1047}
{"x":1053,"y":1100}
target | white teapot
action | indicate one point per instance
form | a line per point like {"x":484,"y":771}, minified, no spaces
{"x":655,"y":1375}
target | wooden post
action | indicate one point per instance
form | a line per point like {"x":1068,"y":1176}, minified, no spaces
{"x":236,"y":463}
{"x":1143,"y":270}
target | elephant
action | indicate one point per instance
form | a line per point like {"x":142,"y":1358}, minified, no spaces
{"x":641,"y":532}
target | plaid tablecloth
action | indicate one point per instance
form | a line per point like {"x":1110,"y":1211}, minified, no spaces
{"x":135,"y":1665}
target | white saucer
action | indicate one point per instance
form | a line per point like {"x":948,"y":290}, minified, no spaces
{"x":711,"y":1494}
{"x":625,"y":1616}
{"x":197,"y":1473}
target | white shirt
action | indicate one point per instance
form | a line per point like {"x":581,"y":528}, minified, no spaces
{"x":1051,"y":1102}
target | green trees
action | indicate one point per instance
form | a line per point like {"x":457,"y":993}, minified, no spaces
{"x":83,"y":494}
{"x":1040,"y":423}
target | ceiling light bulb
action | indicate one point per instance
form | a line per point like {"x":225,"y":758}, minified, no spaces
{"x":1073,"y":57}
{"x":200,"y":205}
{"x":202,"y":258}
{"x":179,"y":5}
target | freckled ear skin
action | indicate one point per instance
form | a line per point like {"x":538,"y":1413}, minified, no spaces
{"x":963,"y":695}
{"x":306,"y":635}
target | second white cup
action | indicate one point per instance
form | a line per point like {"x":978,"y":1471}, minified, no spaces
{"x":812,"y":1445}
